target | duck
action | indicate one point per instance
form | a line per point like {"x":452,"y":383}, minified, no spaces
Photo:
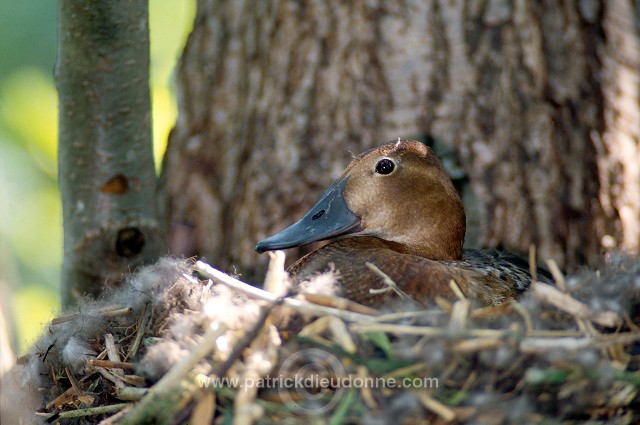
{"x":396,"y":227}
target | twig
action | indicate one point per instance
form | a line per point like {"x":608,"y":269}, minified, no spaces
{"x":543,"y":345}
{"x":111,"y":365}
{"x":568,"y":304}
{"x":491,"y":311}
{"x":459,"y":314}
{"x":455,"y":288}
{"x":532,"y":263}
{"x":339,"y":303}
{"x":113,"y":419}
{"x":104,"y":312}
{"x":109,"y":375}
{"x":295,"y":304}
{"x":118,"y":312}
{"x":557,"y":333}
{"x":275,"y":280}
{"x":112,"y":353}
{"x":421,"y":330}
{"x":524,"y":313}
{"x":435,"y":406}
{"x":558,"y":277}
{"x":127,"y":393}
{"x":205,"y":408}
{"x":407,"y":370}
{"x":92,"y":411}
{"x":74,"y":382}
{"x":474,"y":345}
{"x":67,"y":394}
{"x":401,"y":315}
{"x":245,"y":410}
{"x":336,"y":327}
{"x":391,"y":285}
{"x":145,"y":317}
{"x":366,"y":391}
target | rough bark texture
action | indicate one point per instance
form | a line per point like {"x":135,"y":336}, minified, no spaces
{"x":619,"y":146}
{"x":107,"y":177}
{"x":273,"y":97}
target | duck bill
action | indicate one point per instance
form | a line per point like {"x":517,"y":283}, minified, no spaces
{"x":329,"y":218}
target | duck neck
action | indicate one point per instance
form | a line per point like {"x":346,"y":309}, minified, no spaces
{"x":433,"y":249}
{"x":439,"y":237}
{"x":403,"y":248}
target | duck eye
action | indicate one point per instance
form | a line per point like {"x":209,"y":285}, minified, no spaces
{"x":385,"y":166}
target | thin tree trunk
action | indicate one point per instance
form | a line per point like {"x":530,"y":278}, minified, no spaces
{"x":107,"y":177}
{"x":274,"y":96}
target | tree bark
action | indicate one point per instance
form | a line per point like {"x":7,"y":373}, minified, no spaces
{"x":619,"y":145}
{"x":107,"y":177}
{"x":273,"y":97}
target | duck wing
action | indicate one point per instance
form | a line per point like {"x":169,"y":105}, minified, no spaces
{"x":491,"y":278}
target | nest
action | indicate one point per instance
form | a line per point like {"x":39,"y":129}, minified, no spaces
{"x":182,"y":342}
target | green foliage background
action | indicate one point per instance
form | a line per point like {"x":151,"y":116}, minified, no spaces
{"x":30,"y":210}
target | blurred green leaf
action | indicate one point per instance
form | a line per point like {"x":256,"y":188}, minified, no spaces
{"x":381,"y":340}
{"x":170,"y":22}
{"x":344,"y":406}
{"x":29,"y":110}
{"x":36,"y":228}
{"x":33,"y":306}
{"x":164,"y":117}
{"x":551,"y":375}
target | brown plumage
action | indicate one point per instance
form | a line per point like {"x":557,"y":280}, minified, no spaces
{"x":487,"y":278}
{"x":396,"y":208}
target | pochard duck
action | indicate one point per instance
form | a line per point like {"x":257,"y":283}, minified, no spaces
{"x":396,"y":208}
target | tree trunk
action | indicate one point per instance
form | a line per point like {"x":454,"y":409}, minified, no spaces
{"x":107,"y":177}
{"x":274,"y":96}
{"x":619,"y":145}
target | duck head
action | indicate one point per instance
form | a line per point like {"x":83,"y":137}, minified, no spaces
{"x":398,"y":192}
